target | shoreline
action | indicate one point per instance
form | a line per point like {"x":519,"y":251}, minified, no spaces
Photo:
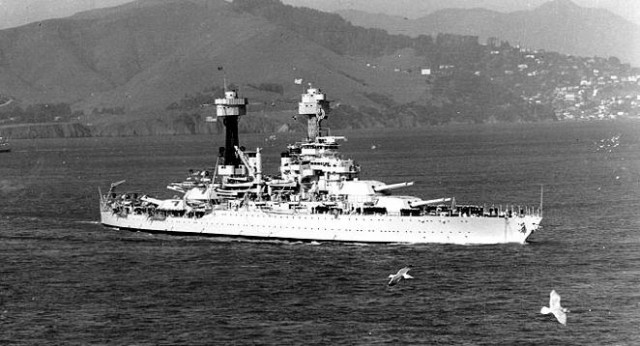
{"x":31,"y":131}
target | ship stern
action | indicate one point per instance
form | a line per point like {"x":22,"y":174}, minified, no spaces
{"x":528,"y":225}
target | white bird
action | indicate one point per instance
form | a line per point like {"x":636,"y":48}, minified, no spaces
{"x":399,"y":276}
{"x":554,"y":308}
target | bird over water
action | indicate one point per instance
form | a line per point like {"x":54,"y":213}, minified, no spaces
{"x":399,"y":276}
{"x":554,"y":308}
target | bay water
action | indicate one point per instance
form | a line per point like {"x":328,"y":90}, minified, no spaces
{"x":65,"y":279}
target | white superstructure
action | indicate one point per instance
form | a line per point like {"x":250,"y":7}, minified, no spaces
{"x":316,"y":195}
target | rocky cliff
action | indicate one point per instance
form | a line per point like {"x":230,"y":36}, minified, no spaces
{"x":45,"y":130}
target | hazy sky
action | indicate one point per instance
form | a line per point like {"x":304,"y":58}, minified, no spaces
{"x":19,"y":12}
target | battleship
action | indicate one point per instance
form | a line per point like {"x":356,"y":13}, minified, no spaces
{"x":317,"y":195}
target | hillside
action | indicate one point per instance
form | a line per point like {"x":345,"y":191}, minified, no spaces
{"x":148,"y":67}
{"x":148,"y":54}
{"x":559,"y":25}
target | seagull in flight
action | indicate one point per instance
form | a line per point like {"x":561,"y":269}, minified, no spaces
{"x":554,"y":308}
{"x":399,"y":276}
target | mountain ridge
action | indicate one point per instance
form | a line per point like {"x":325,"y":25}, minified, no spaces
{"x":558,"y":25}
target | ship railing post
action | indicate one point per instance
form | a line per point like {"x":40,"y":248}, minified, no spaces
{"x":541,"y":198}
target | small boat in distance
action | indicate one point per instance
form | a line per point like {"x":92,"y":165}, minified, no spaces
{"x":317,"y":195}
{"x":5,"y":147}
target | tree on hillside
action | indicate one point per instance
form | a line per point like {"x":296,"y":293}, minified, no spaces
{"x":40,"y":113}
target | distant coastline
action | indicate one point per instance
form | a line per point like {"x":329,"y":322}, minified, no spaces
{"x":150,"y":128}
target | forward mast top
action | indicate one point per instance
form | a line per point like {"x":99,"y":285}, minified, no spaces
{"x":229,"y":109}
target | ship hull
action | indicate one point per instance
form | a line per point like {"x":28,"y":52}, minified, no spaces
{"x":340,"y":228}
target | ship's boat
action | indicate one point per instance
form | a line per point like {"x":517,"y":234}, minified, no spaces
{"x":281,"y":183}
{"x":317,"y":195}
{"x":5,"y":147}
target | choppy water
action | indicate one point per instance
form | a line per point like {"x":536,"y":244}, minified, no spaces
{"x":66,"y":280}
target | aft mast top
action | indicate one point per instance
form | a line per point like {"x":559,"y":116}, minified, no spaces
{"x":315,"y":106}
